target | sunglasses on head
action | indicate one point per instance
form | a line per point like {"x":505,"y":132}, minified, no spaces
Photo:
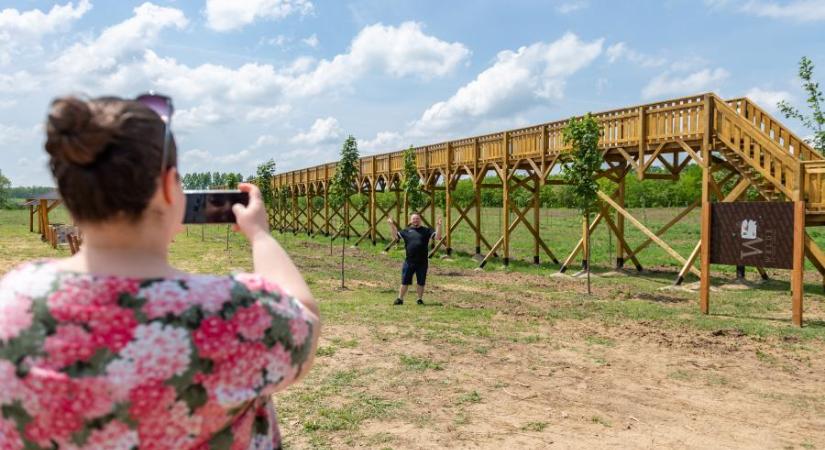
{"x":162,"y":106}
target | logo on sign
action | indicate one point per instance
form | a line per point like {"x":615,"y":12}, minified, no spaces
{"x":750,"y":241}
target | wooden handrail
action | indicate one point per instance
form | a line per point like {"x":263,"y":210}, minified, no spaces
{"x":762,"y":153}
{"x":773,"y":129}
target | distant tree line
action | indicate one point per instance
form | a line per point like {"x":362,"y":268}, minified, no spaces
{"x":211,"y":180}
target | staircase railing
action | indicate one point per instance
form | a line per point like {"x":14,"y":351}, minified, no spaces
{"x":774,"y":130}
{"x":768,"y":157}
{"x":814,"y":185}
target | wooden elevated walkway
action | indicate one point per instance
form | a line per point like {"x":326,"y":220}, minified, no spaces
{"x":730,"y":139}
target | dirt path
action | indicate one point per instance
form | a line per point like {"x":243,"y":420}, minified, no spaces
{"x":590,"y":386}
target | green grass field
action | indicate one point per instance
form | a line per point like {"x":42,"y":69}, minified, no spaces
{"x":520,"y":356}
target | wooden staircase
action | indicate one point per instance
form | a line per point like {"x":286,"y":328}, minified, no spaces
{"x":779,"y":165}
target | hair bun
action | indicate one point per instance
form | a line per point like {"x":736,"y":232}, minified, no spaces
{"x":75,"y":132}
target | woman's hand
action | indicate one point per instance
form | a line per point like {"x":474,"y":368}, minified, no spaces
{"x":251,"y":220}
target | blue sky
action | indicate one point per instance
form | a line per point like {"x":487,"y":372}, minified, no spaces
{"x":289,"y":79}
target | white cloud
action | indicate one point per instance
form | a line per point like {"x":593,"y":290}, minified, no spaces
{"x":795,"y":10}
{"x":250,"y":82}
{"x":198,"y":160}
{"x":131,"y":36}
{"x":322,"y":131}
{"x":311,"y":41}
{"x":515,"y":82}
{"x":688,"y":63}
{"x":20,"y":82}
{"x":263,"y":114}
{"x":227,"y":15}
{"x":384,"y":141}
{"x":265,"y":140}
{"x":621,"y":51}
{"x":187,"y":120}
{"x":768,"y":99}
{"x":601,"y":83}
{"x":398,"y":51}
{"x":666,"y":85}
{"x":277,"y":41}
{"x":801,"y":10}
{"x":12,"y":135}
{"x":376,"y":50}
{"x":19,"y":30}
{"x":570,"y":6}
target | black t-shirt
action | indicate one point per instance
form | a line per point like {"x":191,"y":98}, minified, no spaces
{"x":415,"y":242}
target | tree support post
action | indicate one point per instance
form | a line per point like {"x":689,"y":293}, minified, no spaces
{"x":505,"y":197}
{"x":448,"y":199}
{"x":620,"y":218}
{"x":536,"y":216}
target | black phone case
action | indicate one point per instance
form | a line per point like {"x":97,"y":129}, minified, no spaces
{"x":212,"y":207}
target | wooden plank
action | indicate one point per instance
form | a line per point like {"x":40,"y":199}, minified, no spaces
{"x":606,"y":198}
{"x":691,"y":152}
{"x":667,"y":226}
{"x":688,"y":264}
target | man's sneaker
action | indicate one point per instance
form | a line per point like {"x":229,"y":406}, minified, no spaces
{"x":420,"y":301}
{"x":398,"y":301}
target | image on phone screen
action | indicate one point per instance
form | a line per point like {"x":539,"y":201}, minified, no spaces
{"x":212,"y":206}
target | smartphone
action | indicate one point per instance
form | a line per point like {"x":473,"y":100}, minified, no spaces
{"x":212,"y":206}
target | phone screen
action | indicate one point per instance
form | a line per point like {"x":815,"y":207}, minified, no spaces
{"x":212,"y":206}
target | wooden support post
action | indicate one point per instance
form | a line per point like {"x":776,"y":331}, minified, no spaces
{"x":620,"y":201}
{"x":704,"y":261}
{"x":797,"y":287}
{"x":310,"y":213}
{"x":373,"y":224}
{"x":477,"y":194}
{"x":585,"y":242}
{"x":398,"y":205}
{"x":326,"y":209}
{"x":505,"y":198}
{"x":536,"y":216}
{"x":448,"y":199}
{"x":294,"y":221}
{"x":44,"y":218}
{"x":31,"y":218}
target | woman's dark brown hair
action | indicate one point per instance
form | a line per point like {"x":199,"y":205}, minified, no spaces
{"x":106,"y":156}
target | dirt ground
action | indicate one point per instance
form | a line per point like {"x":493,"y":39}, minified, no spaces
{"x":579,"y":383}
{"x":649,"y":390}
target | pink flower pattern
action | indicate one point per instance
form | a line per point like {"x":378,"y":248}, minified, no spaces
{"x":120,"y":363}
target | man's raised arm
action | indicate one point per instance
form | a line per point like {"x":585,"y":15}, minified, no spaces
{"x":393,"y":228}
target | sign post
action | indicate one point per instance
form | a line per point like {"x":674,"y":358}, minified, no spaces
{"x":757,"y":234}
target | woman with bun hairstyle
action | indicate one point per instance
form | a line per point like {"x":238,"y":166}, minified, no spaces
{"x":114,"y":348}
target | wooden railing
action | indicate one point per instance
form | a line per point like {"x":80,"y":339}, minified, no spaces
{"x":814,"y":183}
{"x":772,"y":162}
{"x":773,"y":150}
{"x":774,"y":130}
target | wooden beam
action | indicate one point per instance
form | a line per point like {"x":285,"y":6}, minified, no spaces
{"x":667,"y":226}
{"x":691,"y":152}
{"x":688,"y":264}
{"x":653,"y":158}
{"x":644,"y":229}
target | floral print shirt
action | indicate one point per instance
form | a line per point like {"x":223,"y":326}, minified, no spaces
{"x":109,"y":362}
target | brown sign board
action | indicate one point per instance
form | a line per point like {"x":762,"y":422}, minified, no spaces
{"x":752,"y":234}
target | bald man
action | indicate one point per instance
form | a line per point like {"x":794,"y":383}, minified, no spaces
{"x":416,"y":239}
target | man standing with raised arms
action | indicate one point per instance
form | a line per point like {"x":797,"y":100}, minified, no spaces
{"x":416,"y":239}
